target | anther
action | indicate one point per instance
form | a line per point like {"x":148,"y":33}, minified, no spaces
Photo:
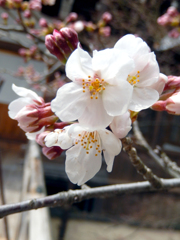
{"x":89,"y":76}
{"x":96,"y":154}
{"x":96,"y":97}
{"x":84,"y":91}
{"x":87,"y":152}
{"x":91,"y":97}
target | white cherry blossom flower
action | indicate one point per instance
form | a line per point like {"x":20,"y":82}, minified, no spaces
{"x":99,"y":90}
{"x":19,"y":112}
{"x":84,"y":156}
{"x":145,"y":74}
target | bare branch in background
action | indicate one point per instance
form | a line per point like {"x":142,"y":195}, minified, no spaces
{"x":139,"y":165}
{"x":141,"y":140}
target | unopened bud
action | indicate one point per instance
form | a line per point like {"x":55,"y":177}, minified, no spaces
{"x":105,"y":31}
{"x":5,"y":17}
{"x":62,"y":43}
{"x":172,"y":83}
{"x":173,"y":104}
{"x":159,"y":106}
{"x":27,"y":14}
{"x":71,"y":17}
{"x":172,"y":11}
{"x":52,"y":152}
{"x":107,"y":17}
{"x":43,"y":22}
{"x":50,"y":42}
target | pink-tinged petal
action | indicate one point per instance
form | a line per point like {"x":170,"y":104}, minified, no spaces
{"x":116,"y":99}
{"x":24,"y":92}
{"x":95,"y":116}
{"x":143,"y":98}
{"x":149,"y":70}
{"x":32,"y":136}
{"x":15,"y":106}
{"x":110,"y":63}
{"x":134,"y":46}
{"x":79,"y":65}
{"x":111,"y":146}
{"x":70,"y":102}
{"x":160,"y":84}
{"x":80,"y":166}
{"x":121,"y":125}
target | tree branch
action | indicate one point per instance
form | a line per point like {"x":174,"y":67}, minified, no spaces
{"x":141,"y":140}
{"x":139,"y":165}
{"x":73,"y":196}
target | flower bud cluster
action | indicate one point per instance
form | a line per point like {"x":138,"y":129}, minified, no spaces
{"x":31,"y":53}
{"x":171,"y":18}
{"x":62,"y":43}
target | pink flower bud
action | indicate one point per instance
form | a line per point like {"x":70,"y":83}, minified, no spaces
{"x":35,"y":5}
{"x":173,"y":104}
{"x":71,"y":37}
{"x":159,"y":106}
{"x":107,"y":17}
{"x":48,"y":2}
{"x":105,"y":31}
{"x":172,"y":11}
{"x":4,"y":16}
{"x":52,"y":152}
{"x":2,"y":3}
{"x":27,"y":14}
{"x":174,"y":33}
{"x":43,"y":22}
{"x":40,"y":138}
{"x":62,"y":43}
{"x":163,"y":20}
{"x":172,"y":83}
{"x":22,"y":52}
{"x":71,"y":17}
{"x":50,"y":42}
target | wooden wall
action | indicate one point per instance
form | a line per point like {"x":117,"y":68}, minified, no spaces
{"x":9,"y":130}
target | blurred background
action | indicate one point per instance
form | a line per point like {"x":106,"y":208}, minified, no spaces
{"x":132,"y":216}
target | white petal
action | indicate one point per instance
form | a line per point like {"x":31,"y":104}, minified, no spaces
{"x":79,"y":65}
{"x":64,"y":140}
{"x":149,"y":70}
{"x":112,"y":62}
{"x":24,"y":92}
{"x":70,"y":102}
{"x":32,"y":136}
{"x":111,"y":146}
{"x":116,"y":98}
{"x":121,"y":125}
{"x":95,"y":116}
{"x":159,"y":85}
{"x":80,"y":166}
{"x":51,"y":139}
{"x":16,"y":105}
{"x":143,"y":98}
{"x":134,"y":46}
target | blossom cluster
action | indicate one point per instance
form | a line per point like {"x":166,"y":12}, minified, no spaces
{"x":95,"y":108}
{"x":171,"y":18}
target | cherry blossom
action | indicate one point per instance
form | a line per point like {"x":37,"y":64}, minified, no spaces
{"x":99,"y":90}
{"x":84,"y":156}
{"x":145,"y":73}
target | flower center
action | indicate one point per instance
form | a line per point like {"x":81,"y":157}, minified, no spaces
{"x":133,"y":80}
{"x":89,"y":141}
{"x":94,"y":85}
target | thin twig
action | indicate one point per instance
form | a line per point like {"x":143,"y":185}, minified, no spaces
{"x":141,"y":140}
{"x":139,"y":165}
{"x":3,"y":199}
{"x":74,"y":196}
{"x":11,"y":28}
